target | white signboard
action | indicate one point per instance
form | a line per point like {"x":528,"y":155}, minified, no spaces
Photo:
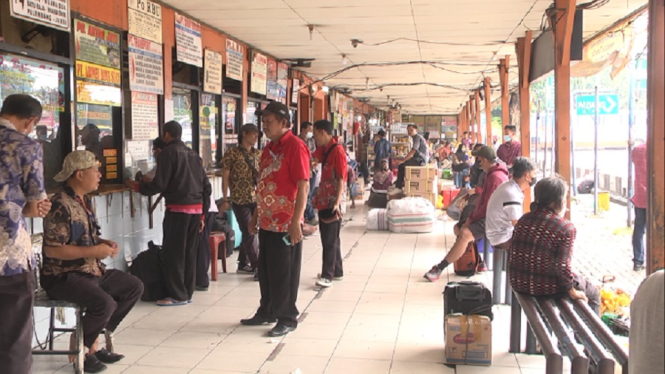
{"x":144,"y":19}
{"x":234,"y":57}
{"x":212,"y":72}
{"x":168,"y":110}
{"x":259,"y":74}
{"x":52,"y":13}
{"x":144,"y":116}
{"x":139,"y":149}
{"x":188,"y":41}
{"x":146,"y":66}
{"x":296,"y":91}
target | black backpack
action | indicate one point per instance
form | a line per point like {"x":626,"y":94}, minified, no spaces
{"x":147,"y":267}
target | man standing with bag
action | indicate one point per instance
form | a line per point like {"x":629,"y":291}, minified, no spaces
{"x":281,"y":196}
{"x":330,"y":200}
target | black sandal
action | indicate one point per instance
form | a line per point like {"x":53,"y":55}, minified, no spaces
{"x":108,"y":357}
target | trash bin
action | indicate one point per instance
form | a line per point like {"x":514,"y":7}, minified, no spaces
{"x":604,"y":201}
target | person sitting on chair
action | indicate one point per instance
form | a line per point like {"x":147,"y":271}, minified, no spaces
{"x":383,"y":179}
{"x":73,"y":251}
{"x":418,"y":156}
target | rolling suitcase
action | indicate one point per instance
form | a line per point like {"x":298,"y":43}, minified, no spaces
{"x":467,"y":297}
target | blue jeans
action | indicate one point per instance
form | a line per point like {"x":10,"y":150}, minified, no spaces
{"x":638,"y":235}
{"x":459,"y":179}
{"x":309,"y":209}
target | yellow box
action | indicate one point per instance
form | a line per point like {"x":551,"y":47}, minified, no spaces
{"x":468,"y":340}
{"x":421,"y":186}
{"x":604,"y":201}
{"x":428,"y":172}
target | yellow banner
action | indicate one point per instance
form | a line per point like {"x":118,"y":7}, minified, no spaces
{"x":97,"y":73}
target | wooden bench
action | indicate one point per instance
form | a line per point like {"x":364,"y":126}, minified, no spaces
{"x":578,"y":333}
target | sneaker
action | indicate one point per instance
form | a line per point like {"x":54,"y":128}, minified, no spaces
{"x":433,"y":275}
{"x":318,"y":276}
{"x":323,"y":282}
{"x":312,"y":222}
{"x":248,"y":269}
{"x":638,"y":267}
{"x":482,"y":267}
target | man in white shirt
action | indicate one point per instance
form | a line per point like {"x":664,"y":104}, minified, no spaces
{"x":505,"y":206}
{"x":647,"y":331}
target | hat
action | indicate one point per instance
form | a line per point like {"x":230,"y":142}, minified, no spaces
{"x":75,"y":161}
{"x":249,"y":127}
{"x":382,"y":132}
{"x":276,"y":108}
{"x":485,"y":152}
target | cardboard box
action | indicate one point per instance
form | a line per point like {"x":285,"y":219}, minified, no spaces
{"x":421,"y":186}
{"x":429,"y":196}
{"x":428,"y":172}
{"x":468,"y":339}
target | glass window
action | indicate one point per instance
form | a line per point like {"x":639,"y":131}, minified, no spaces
{"x":182,"y":113}
{"x":45,"y":82}
{"x":229,"y":110}
{"x":250,"y":115}
{"x":208,"y":130}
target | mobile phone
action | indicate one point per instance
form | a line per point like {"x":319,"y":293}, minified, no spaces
{"x":287,"y":239}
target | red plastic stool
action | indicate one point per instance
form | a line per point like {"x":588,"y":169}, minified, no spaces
{"x":214,"y":240}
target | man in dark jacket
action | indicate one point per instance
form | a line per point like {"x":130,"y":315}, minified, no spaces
{"x":382,"y":149}
{"x":474,"y":227}
{"x":182,"y":180}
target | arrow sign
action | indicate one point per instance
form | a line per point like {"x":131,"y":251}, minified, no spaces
{"x":607,"y":105}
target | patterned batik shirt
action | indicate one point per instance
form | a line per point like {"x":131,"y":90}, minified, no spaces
{"x":21,"y":181}
{"x":241,"y":179}
{"x":71,"y":221}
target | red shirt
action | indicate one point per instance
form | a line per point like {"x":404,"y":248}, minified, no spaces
{"x":284,"y":164}
{"x":508,"y":152}
{"x":331,"y":172}
{"x":640,"y":162}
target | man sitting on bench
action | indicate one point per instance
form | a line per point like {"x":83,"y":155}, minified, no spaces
{"x":542,"y":249}
{"x":73,"y":270}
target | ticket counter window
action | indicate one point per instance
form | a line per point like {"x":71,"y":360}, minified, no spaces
{"x":45,"y":82}
{"x":209,"y":135}
{"x":183,"y":114}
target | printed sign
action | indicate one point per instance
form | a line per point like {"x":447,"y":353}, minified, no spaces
{"x":97,"y":73}
{"x":296,"y":91}
{"x":234,"y":57}
{"x":52,"y":13}
{"x":144,"y":19}
{"x":144,"y":116}
{"x":259,"y":72}
{"x":271,"y":81}
{"x":91,"y":93}
{"x":188,"y":41}
{"x":607,"y":104}
{"x":282,"y":81}
{"x":138,"y":149}
{"x":212,"y":72}
{"x":146,"y":68}
{"x":96,"y":45}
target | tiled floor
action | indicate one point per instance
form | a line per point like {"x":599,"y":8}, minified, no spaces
{"x":383,"y":318}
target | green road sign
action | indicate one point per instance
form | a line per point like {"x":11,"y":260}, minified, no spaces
{"x":607,"y":104}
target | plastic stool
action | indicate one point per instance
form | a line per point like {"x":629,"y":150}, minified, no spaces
{"x":214,"y":240}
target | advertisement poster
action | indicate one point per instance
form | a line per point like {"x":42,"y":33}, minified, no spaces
{"x":18,"y":75}
{"x":144,"y":116}
{"x":271,"y":81}
{"x":282,"y":81}
{"x":98,"y":115}
{"x":144,"y":19}
{"x":51,"y":13}
{"x":212,"y":72}
{"x":234,"y":57}
{"x":259,"y":72}
{"x":296,"y":91}
{"x":146,"y":68}
{"x":97,"y":73}
{"x":96,"y":45}
{"x":91,"y":93}
{"x":188,"y":41}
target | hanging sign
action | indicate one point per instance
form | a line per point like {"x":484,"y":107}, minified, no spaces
{"x":188,"y":41}
{"x":51,"y":13}
{"x":144,"y":19}
{"x":146,"y":68}
{"x":97,"y":73}
{"x":91,"y":93}
{"x":259,"y":72}
{"x":271,"y":81}
{"x":282,"y":81}
{"x":234,"y":57}
{"x":296,"y":91}
{"x":144,"y":116}
{"x":212,"y":72}
{"x":96,"y":45}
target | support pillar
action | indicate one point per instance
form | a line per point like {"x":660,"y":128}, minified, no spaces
{"x":476,"y":103}
{"x":504,"y":63}
{"x":655,"y":243}
{"x":472,"y":116}
{"x":524,"y":65}
{"x":488,"y":109}
{"x":562,"y":19}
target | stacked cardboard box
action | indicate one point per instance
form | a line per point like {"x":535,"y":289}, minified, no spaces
{"x":421,"y":181}
{"x":468,"y":339}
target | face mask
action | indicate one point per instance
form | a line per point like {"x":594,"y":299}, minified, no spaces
{"x":533,"y":182}
{"x":310,"y":135}
{"x":507,"y":138}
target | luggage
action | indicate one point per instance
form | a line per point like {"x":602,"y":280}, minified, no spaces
{"x":468,"y":298}
{"x":147,"y":267}
{"x":467,"y":265}
{"x":377,"y":220}
{"x":411,"y":215}
{"x":377,"y":200}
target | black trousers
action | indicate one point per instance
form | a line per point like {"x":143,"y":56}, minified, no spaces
{"x":180,"y":246}
{"x":107,"y":299}
{"x":332,"y":251}
{"x":401,"y":169}
{"x":249,"y":248}
{"x":203,"y":254}
{"x":279,"y":277}
{"x":17,"y":295}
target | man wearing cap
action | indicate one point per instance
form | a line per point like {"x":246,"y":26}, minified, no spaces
{"x":240,"y":175}
{"x":281,"y":197}
{"x":382,"y":149}
{"x":73,"y":252}
{"x":474,"y":226}
{"x":182,"y":180}
{"x":21,"y":195}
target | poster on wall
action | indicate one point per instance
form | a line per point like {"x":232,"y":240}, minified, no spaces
{"x":91,"y":93}
{"x":96,"y":45}
{"x":144,"y":19}
{"x":212,"y":72}
{"x":97,"y":73}
{"x":188,"y":41}
{"x":271,"y":81}
{"x":144,"y":116}
{"x":259,"y":72}
{"x":146,"y":70}
{"x":51,"y":13}
{"x":296,"y":91}
{"x":234,"y":58}
{"x":282,"y":81}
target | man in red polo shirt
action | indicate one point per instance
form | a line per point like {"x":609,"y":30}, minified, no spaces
{"x":329,"y":200}
{"x":281,"y":196}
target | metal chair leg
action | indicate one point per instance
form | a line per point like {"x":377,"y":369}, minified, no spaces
{"x":486,"y":254}
{"x":530,"y":341}
{"x":508,"y":290}
{"x":497,"y":275}
{"x":80,"y":357}
{"x":515,"y":328}
{"x":51,"y":326}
